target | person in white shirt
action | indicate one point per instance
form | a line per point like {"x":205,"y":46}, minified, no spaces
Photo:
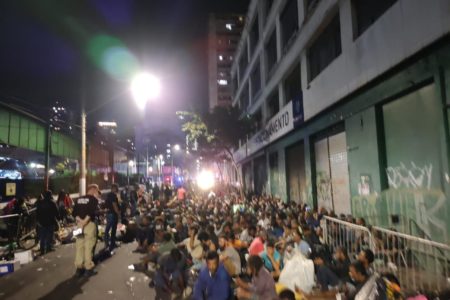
{"x":264,"y":222}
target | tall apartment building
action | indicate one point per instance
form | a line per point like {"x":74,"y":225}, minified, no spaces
{"x":223,"y":37}
{"x":353,"y":102}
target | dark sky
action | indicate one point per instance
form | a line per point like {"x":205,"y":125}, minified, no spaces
{"x":48,"y":52}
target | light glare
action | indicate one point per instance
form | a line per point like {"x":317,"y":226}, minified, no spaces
{"x":145,"y":87}
{"x":205,"y":180}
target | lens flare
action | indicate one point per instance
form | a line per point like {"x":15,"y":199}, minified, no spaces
{"x":205,"y":180}
{"x":111,"y":55}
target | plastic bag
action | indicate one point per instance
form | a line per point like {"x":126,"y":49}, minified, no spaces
{"x":298,"y":272}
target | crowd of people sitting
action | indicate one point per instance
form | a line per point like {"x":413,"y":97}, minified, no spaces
{"x":197,"y":246}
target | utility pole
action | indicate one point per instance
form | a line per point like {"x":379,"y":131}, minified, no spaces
{"x":83,"y":154}
{"x":47,"y":157}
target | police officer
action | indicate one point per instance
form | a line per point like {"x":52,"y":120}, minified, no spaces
{"x":84,"y":212}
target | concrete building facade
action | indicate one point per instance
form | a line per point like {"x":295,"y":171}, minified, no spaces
{"x":351,"y":98}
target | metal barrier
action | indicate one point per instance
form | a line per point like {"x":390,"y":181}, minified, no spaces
{"x":419,"y":264}
{"x":346,"y":235}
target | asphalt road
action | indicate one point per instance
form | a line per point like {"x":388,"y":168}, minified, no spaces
{"x":51,"y":277}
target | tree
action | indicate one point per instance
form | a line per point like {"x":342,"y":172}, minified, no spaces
{"x":217,"y":133}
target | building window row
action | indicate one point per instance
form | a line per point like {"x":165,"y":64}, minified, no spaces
{"x":323,"y":50}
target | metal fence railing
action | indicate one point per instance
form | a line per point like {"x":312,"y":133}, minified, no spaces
{"x":352,"y":237}
{"x":419,"y":264}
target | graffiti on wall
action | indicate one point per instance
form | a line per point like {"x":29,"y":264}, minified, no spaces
{"x":324,"y":190}
{"x":410,"y":195}
{"x":412,"y":176}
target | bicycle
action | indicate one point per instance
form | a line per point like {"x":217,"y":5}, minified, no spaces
{"x":20,"y":230}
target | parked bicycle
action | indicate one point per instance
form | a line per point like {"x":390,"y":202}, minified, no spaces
{"x":18,"y":228}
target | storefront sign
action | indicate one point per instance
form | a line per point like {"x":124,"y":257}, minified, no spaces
{"x":279,"y":125}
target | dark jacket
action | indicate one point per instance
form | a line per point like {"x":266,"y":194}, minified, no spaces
{"x":46,"y":212}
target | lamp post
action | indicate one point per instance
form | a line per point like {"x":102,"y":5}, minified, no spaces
{"x":144,"y":87}
{"x":175,"y":148}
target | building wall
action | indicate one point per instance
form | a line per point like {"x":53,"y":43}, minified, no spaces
{"x":404,"y":29}
{"x":375,"y":124}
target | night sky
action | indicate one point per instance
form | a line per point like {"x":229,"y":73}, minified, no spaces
{"x":52,"y":50}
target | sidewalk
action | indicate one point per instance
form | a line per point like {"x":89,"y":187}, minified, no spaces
{"x":51,"y":277}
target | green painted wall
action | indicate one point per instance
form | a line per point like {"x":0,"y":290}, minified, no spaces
{"x":362,"y":151}
{"x":20,"y":131}
{"x":64,"y":146}
{"x":24,"y":132}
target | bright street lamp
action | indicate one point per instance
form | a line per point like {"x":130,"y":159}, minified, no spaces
{"x":145,"y":87}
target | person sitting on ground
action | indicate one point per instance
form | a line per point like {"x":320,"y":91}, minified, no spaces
{"x":168,"y":277}
{"x":272,"y":259}
{"x":213,"y":281}
{"x":262,"y":285}
{"x":144,"y":235}
{"x":301,"y":244}
{"x":207,"y":243}
{"x":257,"y":246}
{"x":359,"y":276}
{"x":155,"y":251}
{"x":340,"y":264}
{"x":181,"y":230}
{"x":229,"y":256}
{"x":194,"y":247}
{"x":212,"y":236}
{"x":366,"y":257}
{"x":167,"y":244}
{"x":326,"y":279}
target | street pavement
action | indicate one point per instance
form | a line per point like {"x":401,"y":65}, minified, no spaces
{"x":51,"y":277}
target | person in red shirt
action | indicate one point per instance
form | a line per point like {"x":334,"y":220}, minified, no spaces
{"x":257,"y":245}
{"x":181,"y":194}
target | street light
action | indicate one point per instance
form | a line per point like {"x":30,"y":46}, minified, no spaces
{"x":145,"y":87}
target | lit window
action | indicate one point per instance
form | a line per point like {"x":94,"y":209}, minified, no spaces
{"x":220,"y":57}
{"x":229,"y":26}
{"x":222,"y":81}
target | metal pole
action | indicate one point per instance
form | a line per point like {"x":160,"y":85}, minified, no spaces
{"x":171,"y":169}
{"x":47,"y":157}
{"x":83,"y":154}
{"x":128,"y":173}
{"x":146,"y":166}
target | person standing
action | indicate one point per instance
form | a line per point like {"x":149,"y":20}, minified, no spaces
{"x":112,"y":217}
{"x":84,"y":212}
{"x":181,"y":194}
{"x":167,"y":193}
{"x":46,"y":214}
{"x":155,"y":192}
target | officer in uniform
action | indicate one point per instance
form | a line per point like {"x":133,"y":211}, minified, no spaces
{"x":84,"y":211}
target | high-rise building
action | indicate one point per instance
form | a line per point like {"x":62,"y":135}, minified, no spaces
{"x":223,"y":37}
